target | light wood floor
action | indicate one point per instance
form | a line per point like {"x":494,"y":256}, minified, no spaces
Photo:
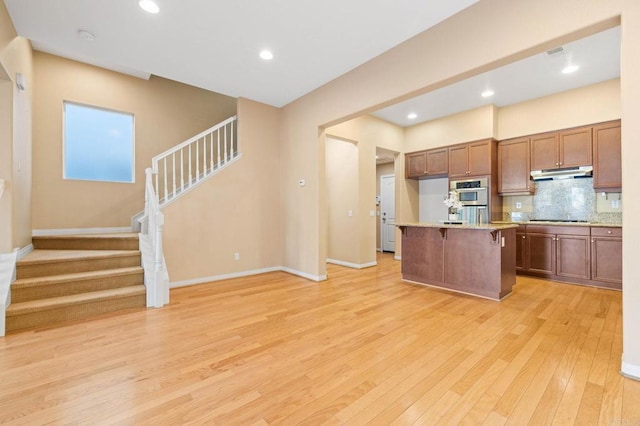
{"x":362,"y":348}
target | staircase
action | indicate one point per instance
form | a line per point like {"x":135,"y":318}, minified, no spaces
{"x":70,"y":277}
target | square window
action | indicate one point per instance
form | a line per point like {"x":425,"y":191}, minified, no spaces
{"x":98,"y":144}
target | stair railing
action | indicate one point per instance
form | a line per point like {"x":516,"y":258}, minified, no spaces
{"x":172,"y":174}
{"x":188,"y":164}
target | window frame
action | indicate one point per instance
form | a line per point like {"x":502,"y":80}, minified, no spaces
{"x":64,"y":141}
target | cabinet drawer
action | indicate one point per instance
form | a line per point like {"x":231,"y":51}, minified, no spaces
{"x":606,"y":232}
{"x":559,"y":230}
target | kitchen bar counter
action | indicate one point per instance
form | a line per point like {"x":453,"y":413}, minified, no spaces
{"x":557,"y":223}
{"x":493,"y":226}
{"x":471,"y":259}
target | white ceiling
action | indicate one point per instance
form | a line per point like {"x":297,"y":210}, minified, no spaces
{"x":598,"y":57}
{"x":215,"y":44}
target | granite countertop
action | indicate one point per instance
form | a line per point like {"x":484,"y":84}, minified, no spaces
{"x":551,"y":223}
{"x":493,"y":226}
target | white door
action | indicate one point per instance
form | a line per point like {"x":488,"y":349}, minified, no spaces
{"x":388,"y":213}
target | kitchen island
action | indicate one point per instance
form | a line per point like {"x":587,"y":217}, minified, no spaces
{"x":474,"y":259}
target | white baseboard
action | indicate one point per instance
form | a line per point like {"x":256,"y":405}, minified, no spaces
{"x":379,"y":249}
{"x":311,"y":277}
{"x":631,"y":371}
{"x":352,"y":265}
{"x":71,"y":231}
{"x":25,"y":251}
{"x":204,"y":280}
{"x":397,"y":257}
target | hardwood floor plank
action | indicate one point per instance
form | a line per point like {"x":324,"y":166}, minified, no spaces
{"x":363,"y":347}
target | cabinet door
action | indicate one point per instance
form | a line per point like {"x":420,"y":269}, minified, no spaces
{"x":607,"y":159}
{"x":573,"y":256}
{"x":542,"y":253}
{"x":479,"y":158}
{"x":415,"y":164}
{"x":459,"y":161}
{"x":575,"y":147}
{"x":544,"y":151}
{"x":514,"y":167}
{"x":422,"y":255}
{"x":521,"y":252}
{"x":438,"y":162}
{"x":606,"y":256}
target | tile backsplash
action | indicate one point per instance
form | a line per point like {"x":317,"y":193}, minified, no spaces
{"x":573,"y":199}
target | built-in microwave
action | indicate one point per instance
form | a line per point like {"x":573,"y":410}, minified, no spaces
{"x":471,"y":192}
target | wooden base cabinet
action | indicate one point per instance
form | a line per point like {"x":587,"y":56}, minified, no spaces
{"x":606,"y":256}
{"x":478,"y":261}
{"x":576,"y":254}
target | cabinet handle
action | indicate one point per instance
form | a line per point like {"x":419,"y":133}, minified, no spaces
{"x":426,"y":172}
{"x":524,"y":236}
{"x":593,"y":240}
{"x":560,"y":163}
{"x":609,"y":232}
{"x":557,"y":164}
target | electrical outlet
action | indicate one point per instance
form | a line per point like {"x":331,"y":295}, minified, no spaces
{"x":615,"y":204}
{"x":236,"y":256}
{"x":518,"y":205}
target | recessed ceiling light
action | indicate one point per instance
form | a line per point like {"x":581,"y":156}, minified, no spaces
{"x":267,"y":55}
{"x":487,"y":93}
{"x":412,"y":116}
{"x":570,"y":68}
{"x":149,"y":6}
{"x":86,"y":35}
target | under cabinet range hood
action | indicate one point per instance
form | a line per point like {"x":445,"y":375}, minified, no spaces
{"x":566,"y":173}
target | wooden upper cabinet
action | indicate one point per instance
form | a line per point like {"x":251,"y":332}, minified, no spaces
{"x":567,"y":148}
{"x":415,"y":164}
{"x":426,"y":164}
{"x":458,"y":161}
{"x":514,"y":167}
{"x":471,"y":159}
{"x":544,"y":151}
{"x":575,"y":147}
{"x":607,"y":173}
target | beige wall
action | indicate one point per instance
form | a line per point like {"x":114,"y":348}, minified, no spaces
{"x":630,"y":101}
{"x":15,"y":137}
{"x":343,"y":197}
{"x":586,"y":105}
{"x":166,"y":113}
{"x":369,"y":132}
{"x":466,"y":126}
{"x":237,"y":210}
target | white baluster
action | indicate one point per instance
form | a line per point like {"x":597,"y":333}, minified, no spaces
{"x":211,"y":151}
{"x":204,"y":154}
{"x":181,"y":170}
{"x":218,"y":163}
{"x":225,"y":144}
{"x":190,"y":175}
{"x":173,"y":172}
{"x":166,"y":195}
{"x":231,"y":142}
{"x":197,"y":160}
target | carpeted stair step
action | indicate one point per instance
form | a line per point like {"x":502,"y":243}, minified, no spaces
{"x":40,"y":263}
{"x":27,"y":289}
{"x":115,"y":241}
{"x":36,"y":313}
